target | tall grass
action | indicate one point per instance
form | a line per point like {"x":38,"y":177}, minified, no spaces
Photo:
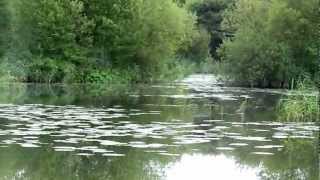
{"x":301,"y":105}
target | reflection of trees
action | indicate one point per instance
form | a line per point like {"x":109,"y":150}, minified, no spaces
{"x":10,"y":93}
{"x":62,"y":95}
{"x":296,"y":161}
{"x":49,"y":165}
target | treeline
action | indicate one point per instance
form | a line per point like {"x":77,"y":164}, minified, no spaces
{"x":264,"y":43}
{"x":93,"y":40}
{"x":274,"y":43}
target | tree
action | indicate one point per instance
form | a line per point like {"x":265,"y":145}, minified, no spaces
{"x":143,"y":33}
{"x":59,"y":38}
{"x":54,"y":38}
{"x":210,"y":16}
{"x":4,"y":26}
{"x":273,"y":42}
{"x":62,"y":30}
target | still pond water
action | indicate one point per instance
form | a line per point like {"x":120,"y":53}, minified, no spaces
{"x":186,"y":130}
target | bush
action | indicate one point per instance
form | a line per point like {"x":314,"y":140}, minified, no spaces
{"x":5,"y":73}
{"x":48,"y":70}
{"x":112,"y":76}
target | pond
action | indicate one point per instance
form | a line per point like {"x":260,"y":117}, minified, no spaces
{"x":190,"y":129}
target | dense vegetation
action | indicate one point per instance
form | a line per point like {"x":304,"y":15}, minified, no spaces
{"x":274,"y":42}
{"x":89,"y":41}
{"x":261,"y":43}
{"x":268,"y":43}
{"x":210,"y":16}
{"x":301,"y":104}
{"x":254,"y":43}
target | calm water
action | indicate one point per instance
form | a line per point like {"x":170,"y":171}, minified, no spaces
{"x":187,"y":130}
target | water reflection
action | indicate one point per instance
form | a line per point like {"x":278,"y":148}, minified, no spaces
{"x":44,"y":163}
{"x":95,"y":130}
{"x":208,"y":167}
{"x":194,"y":128}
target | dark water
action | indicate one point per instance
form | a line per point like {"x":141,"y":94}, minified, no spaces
{"x":193,"y":129}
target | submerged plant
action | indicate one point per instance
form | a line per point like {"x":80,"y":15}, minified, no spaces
{"x":301,"y":105}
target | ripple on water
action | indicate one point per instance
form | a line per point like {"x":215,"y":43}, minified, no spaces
{"x":143,"y":145}
{"x":112,"y":155}
{"x":225,"y":148}
{"x":84,"y":154}
{"x":280,"y":135}
{"x":263,"y":153}
{"x":169,"y":154}
{"x":238,"y":144}
{"x":69,"y":127}
{"x":186,"y":141}
{"x":268,"y":146}
{"x":28,"y":145}
{"x":110,"y":143}
{"x":251,"y":138}
{"x":64,"y":148}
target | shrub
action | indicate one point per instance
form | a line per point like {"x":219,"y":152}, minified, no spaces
{"x":48,"y":70}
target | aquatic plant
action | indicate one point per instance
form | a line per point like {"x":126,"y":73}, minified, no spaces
{"x":301,"y":105}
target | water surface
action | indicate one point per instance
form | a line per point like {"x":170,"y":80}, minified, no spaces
{"x":190,"y":129}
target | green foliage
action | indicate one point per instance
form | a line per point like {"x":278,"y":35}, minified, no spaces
{"x":177,"y":69}
{"x":5,"y":74}
{"x":273,"y":41}
{"x":210,"y":16}
{"x":87,"y":41}
{"x":4,"y":25}
{"x":112,"y":76}
{"x":48,"y":70}
{"x":62,"y":30}
{"x":139,"y":33}
{"x":213,"y":66}
{"x":302,"y":105}
{"x":198,"y":49}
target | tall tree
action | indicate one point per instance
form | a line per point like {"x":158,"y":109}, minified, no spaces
{"x":274,"y":41}
{"x":4,"y":26}
{"x":210,"y":16}
{"x":93,"y":35}
{"x":141,"y":32}
{"x":63,"y":32}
